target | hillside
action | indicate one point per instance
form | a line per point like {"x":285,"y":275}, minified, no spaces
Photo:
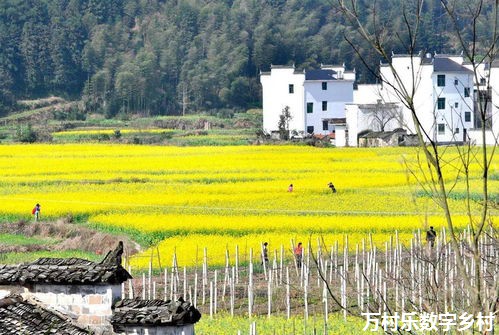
{"x":160,"y":57}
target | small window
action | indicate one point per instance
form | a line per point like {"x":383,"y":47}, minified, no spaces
{"x":466,"y":92}
{"x":291,"y":88}
{"x":325,"y":125}
{"x":467,"y":116}
{"x":483,"y":81}
{"x":456,"y":104}
{"x":310,"y":107}
{"x":324,"y":85}
{"x":441,"y":103}
{"x":456,"y":82}
{"x":324,"y":105}
{"x":441,"y":80}
{"x":310,"y":129}
{"x":456,"y":131}
{"x":441,"y":128}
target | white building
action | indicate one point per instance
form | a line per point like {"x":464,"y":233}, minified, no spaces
{"x":314,"y":97}
{"x":443,"y":99}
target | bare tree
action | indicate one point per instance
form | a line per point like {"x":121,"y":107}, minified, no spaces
{"x":440,"y":170}
{"x":283,"y":123}
{"x":382,"y":114}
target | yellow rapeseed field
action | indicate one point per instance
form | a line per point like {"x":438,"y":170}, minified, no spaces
{"x":190,"y":198}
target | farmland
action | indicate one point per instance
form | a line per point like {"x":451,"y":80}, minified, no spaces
{"x":188,"y":198}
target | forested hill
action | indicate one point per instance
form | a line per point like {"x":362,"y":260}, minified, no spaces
{"x":147,"y":56}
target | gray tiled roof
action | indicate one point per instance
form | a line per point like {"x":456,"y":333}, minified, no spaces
{"x":19,"y":316}
{"x":130,"y":312}
{"x":320,"y":75}
{"x":67,"y":271}
{"x":448,"y":65}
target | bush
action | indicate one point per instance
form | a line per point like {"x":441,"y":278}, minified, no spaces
{"x":25,"y":134}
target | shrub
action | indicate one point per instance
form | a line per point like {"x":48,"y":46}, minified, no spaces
{"x":25,"y":134}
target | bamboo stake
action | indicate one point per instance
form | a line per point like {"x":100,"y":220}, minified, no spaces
{"x":288,"y":300}
{"x":166,"y":284}
{"x":237,"y":264}
{"x":143,"y":286}
{"x":130,"y":285}
{"x":195,"y":289}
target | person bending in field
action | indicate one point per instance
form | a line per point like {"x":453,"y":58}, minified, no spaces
{"x":331,"y":187}
{"x":298,"y":254}
{"x":290,"y":188}
{"x":36,"y":212}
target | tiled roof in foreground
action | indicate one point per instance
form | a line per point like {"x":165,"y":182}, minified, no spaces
{"x":67,"y":271}
{"x":135,"y":312}
{"x":20,"y":316}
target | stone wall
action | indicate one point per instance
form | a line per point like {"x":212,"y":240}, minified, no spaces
{"x":91,"y":304}
{"x":159,"y":330}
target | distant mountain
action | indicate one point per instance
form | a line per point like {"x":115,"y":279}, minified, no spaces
{"x":155,"y":57}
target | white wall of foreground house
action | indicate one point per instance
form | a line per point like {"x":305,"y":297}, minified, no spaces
{"x":91,"y":303}
{"x":276,"y":96}
{"x":338,"y":92}
{"x":158,"y":330}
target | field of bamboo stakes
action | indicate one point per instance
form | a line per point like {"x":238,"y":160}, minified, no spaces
{"x":414,"y":278}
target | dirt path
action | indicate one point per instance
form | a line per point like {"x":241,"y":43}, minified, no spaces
{"x":69,"y":236}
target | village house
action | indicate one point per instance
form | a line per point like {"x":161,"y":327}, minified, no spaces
{"x":314,"y":97}
{"x":324,"y":101}
{"x":87,"y":296}
{"x":446,"y":95}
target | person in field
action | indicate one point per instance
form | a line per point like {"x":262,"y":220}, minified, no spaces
{"x":431,"y":236}
{"x":290,"y":188}
{"x":265,"y":253}
{"x":331,"y":187}
{"x":36,"y":212}
{"x":298,"y":254}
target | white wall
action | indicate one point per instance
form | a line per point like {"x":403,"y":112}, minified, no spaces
{"x":413,"y":74}
{"x":91,"y":303}
{"x":276,"y":96}
{"x":494,"y":83}
{"x":338,"y":93}
{"x":158,"y":330}
{"x":452,"y":117}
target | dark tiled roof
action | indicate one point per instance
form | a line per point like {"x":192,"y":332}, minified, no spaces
{"x":320,"y":75}
{"x":67,"y":271}
{"x":133,"y":312}
{"x":447,"y":65}
{"x":383,"y":134}
{"x":19,"y":316}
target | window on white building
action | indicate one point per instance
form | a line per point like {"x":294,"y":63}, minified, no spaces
{"x":310,"y":107}
{"x":483,"y":81}
{"x":456,"y":82}
{"x":456,"y":131}
{"x":441,"y":80}
{"x":456,"y":104}
{"x":291,"y":88}
{"x":310,"y":129}
{"x":441,"y":128}
{"x":324,"y":105}
{"x":467,"y":116}
{"x":324,"y":85}
{"x":466,"y":92}
{"x":441,"y":103}
{"x":325,"y":125}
